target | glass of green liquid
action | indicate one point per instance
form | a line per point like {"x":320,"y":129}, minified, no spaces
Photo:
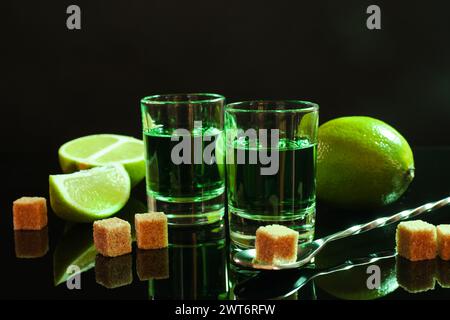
{"x":271,"y":167}
{"x":185,"y":156}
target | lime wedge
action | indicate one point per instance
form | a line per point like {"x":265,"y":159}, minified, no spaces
{"x":89,"y":195}
{"x":103,"y":149}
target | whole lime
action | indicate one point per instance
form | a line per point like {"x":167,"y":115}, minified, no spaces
{"x":362,"y":162}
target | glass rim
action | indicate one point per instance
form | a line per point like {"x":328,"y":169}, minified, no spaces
{"x":296,"y":106}
{"x":203,"y":98}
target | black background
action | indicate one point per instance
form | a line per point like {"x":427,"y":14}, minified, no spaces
{"x":61,"y":84}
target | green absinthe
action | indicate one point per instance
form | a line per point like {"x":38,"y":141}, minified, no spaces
{"x":286,"y":197}
{"x":185,"y":182}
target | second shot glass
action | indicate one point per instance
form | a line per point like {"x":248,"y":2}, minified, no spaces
{"x":271,"y":167}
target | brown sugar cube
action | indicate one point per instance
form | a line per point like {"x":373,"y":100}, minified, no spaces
{"x":276,"y":244}
{"x":264,"y":246}
{"x":416,"y":276}
{"x":416,"y":240}
{"x":152,"y":264}
{"x":31,"y":243}
{"x":443,"y":240}
{"x":112,"y":237}
{"x":113,"y":272}
{"x":151,"y":230}
{"x":30,"y":213}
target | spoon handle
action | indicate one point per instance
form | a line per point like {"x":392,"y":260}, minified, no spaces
{"x":381,"y":222}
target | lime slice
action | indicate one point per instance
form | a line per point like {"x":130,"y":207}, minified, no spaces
{"x":89,"y":195}
{"x":103,"y":149}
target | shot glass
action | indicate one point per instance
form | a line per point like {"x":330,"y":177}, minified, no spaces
{"x":184,"y":149}
{"x":271,"y":151}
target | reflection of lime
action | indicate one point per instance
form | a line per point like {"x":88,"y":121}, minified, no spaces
{"x":352,"y":284}
{"x":362,"y":162}
{"x":103,"y":149}
{"x":76,"y":248}
{"x":89,"y":195}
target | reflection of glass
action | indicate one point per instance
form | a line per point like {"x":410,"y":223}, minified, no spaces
{"x":416,"y":276}
{"x":31,"y":244}
{"x":198,"y":265}
{"x":114,"y":272}
{"x":237,"y":275}
{"x":271,"y":167}
{"x":443,"y":273}
{"x":184,"y":178}
{"x":152,"y":264}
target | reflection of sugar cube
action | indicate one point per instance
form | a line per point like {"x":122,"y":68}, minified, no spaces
{"x":31,"y":243}
{"x":30,"y":213}
{"x":416,"y":276}
{"x":276,"y":244}
{"x":113,"y":272}
{"x":112,"y":237}
{"x":416,"y":240}
{"x":151,"y":230}
{"x":443,"y":240}
{"x":443,"y":273}
{"x":152,"y":264}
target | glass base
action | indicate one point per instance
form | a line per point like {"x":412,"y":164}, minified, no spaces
{"x":193,"y":236}
{"x":243,"y":225}
{"x":189,"y":213}
{"x":210,"y":194}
